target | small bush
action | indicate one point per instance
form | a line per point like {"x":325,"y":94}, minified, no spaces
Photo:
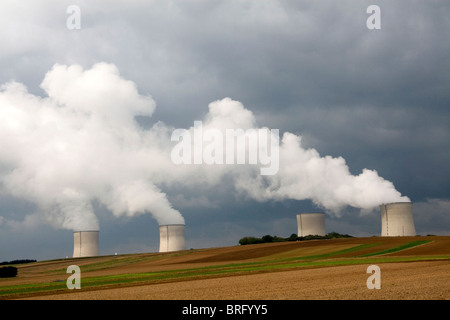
{"x":8,"y":272}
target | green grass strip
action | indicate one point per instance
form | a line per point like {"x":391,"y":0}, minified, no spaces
{"x":398,"y":248}
{"x":339,"y":252}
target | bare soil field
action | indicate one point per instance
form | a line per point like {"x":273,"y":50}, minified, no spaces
{"x":411,"y":268}
{"x":413,"y":280}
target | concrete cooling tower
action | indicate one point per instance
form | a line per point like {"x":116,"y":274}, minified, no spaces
{"x":397,"y":219}
{"x":85,"y":244}
{"x":311,"y":224}
{"x":171,"y":237}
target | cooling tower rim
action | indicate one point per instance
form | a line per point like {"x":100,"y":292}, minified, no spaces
{"x":172,"y":224}
{"x":398,"y":202}
{"x":310,"y":213}
{"x":86,"y":231}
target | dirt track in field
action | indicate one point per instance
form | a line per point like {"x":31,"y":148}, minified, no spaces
{"x":403,"y":280}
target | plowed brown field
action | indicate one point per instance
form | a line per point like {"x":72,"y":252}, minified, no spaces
{"x":416,"y":280}
{"x":426,"y":274}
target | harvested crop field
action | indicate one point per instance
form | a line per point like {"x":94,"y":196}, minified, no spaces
{"x":411,"y":268}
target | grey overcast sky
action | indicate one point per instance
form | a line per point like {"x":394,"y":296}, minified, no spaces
{"x":380,"y":99}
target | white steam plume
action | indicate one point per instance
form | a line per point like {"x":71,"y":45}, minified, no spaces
{"x":303,"y":174}
{"x":79,"y":144}
{"x":327,"y":181}
{"x":82,"y":143}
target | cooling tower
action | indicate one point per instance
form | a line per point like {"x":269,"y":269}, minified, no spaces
{"x":171,"y":237}
{"x":397,"y":219}
{"x":311,"y":224}
{"x":85,"y":244}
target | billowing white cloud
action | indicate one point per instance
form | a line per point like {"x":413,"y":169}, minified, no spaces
{"x":327,"y":181}
{"x":81,"y":143}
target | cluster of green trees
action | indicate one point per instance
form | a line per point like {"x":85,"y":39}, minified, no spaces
{"x":293,"y":237}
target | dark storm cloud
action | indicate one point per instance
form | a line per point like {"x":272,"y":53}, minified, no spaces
{"x":379,"y":98}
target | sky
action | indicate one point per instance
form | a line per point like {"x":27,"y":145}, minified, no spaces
{"x":92,"y":92}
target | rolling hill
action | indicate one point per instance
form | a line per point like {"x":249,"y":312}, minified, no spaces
{"x":340,"y":261}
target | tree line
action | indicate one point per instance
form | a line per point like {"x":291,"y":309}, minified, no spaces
{"x":293,"y":237}
{"x":19,"y":261}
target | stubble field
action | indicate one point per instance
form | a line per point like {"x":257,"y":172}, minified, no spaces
{"x":410,"y":268}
